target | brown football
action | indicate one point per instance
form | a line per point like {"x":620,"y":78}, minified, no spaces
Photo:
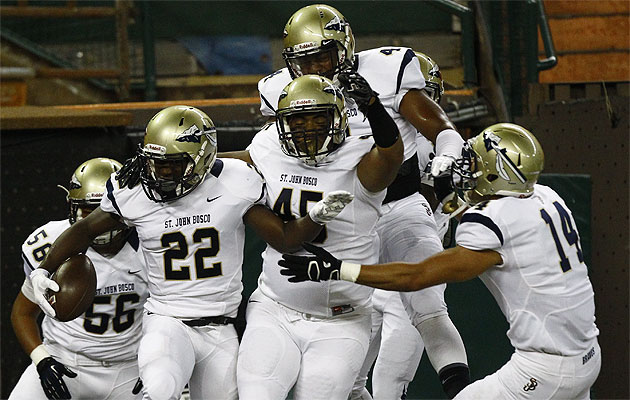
{"x":76,"y":278}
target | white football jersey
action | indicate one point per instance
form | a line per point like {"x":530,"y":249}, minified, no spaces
{"x":292,"y":189}
{"x":390,"y":71}
{"x":111,"y":328}
{"x":542,"y":287}
{"x":193,"y":246}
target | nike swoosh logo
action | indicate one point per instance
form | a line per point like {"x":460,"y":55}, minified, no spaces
{"x":212,"y":199}
{"x":134,"y":272}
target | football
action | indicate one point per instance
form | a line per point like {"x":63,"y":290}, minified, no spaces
{"x":76,"y":278}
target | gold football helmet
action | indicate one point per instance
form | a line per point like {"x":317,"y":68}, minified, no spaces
{"x":432,"y":75}
{"x":311,"y":118}
{"x":504,"y":159}
{"x":318,"y":40}
{"x":87,"y":188}
{"x":180,"y":147}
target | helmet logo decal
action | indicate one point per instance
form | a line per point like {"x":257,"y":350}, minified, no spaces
{"x":94,"y":196}
{"x":191,"y":135}
{"x":303,"y":102}
{"x":305,"y":46}
{"x":155,"y":148}
{"x":335,"y":24}
{"x":74,"y":183}
{"x":491,"y":142}
{"x":331,"y":89}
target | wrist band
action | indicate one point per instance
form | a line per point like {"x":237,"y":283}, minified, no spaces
{"x":39,"y":353}
{"x":450,"y":142}
{"x":349,"y":271}
{"x":40,"y":271}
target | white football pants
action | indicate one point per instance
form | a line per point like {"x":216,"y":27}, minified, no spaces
{"x":408,"y":232}
{"x":396,"y":366}
{"x":95,"y":379}
{"x":172,"y":354}
{"x":531,"y":375}
{"x":281,"y":348}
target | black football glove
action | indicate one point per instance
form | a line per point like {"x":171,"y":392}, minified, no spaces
{"x":356,"y":87}
{"x":322,"y":267}
{"x":51,"y":374}
{"x":129,"y":174}
{"x":137,"y":387}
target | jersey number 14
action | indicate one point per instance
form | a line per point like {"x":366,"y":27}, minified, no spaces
{"x":570,"y":234}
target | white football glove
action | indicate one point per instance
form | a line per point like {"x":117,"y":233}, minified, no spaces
{"x":328,"y":208}
{"x":40,"y":281}
{"x":441,"y":164}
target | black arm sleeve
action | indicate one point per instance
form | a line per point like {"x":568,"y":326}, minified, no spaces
{"x":384,"y":129}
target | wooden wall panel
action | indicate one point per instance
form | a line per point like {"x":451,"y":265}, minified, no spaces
{"x":582,"y":7}
{"x":592,"y":33}
{"x":589,"y":67}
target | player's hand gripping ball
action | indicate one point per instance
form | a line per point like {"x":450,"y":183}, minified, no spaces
{"x":76,"y":278}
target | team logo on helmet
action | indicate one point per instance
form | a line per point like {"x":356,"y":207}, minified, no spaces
{"x":331,"y":89}
{"x":491,"y":142}
{"x":335,"y":24}
{"x":74,"y":183}
{"x":191,"y":135}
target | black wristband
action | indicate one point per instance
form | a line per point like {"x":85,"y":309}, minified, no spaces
{"x":454,"y":377}
{"x":384,"y":129}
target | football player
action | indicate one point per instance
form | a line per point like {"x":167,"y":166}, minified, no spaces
{"x":520,"y":238}
{"x":311,"y":337}
{"x":318,"y":40}
{"x":190,"y":211}
{"x":95,"y":355}
{"x":396,"y":345}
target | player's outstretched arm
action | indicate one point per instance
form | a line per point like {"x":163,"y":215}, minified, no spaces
{"x":452,"y":265}
{"x":288,"y":236}
{"x":431,"y":120}
{"x":24,"y":320}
